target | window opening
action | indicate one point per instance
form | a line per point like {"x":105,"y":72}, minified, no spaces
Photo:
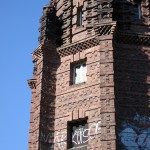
{"x":77,"y":134}
{"x":79,"y":16}
{"x":79,"y":73}
{"x":138,"y":11}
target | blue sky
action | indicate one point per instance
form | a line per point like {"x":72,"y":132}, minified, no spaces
{"x":19,"y":23}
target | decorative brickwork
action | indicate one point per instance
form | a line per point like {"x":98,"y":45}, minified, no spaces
{"x":110,"y":109}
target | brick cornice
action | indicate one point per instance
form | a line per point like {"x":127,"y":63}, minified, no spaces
{"x":134,"y":39}
{"x":32,"y":83}
{"x":37,"y":54}
{"x":78,"y":46}
{"x":102,"y":31}
{"x":105,"y":28}
{"x":45,"y":46}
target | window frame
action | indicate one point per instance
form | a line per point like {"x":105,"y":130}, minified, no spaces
{"x":75,"y":124}
{"x":73,"y":72}
{"x":81,"y":73}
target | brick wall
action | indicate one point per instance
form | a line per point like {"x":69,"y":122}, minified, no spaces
{"x":114,"y":101}
{"x":93,"y":99}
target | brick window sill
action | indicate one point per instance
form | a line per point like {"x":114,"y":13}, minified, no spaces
{"x":78,"y":148}
{"x":79,"y":27}
{"x":77,"y":85}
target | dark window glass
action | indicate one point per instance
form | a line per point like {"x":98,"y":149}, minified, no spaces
{"x":79,"y":16}
{"x":77,"y":134}
{"x":138,"y":12}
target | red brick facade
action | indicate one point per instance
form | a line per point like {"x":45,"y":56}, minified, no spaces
{"x":114,"y":42}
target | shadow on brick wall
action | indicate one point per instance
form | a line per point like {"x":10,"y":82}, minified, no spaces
{"x":132,"y":73}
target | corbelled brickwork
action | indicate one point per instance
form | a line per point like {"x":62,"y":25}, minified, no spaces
{"x":114,"y":42}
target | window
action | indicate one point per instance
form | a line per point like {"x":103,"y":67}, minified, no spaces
{"x":79,"y":16}
{"x":138,"y":11}
{"x":77,"y":134}
{"x":79,"y":73}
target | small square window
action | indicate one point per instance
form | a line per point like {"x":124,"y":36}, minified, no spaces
{"x":79,"y":16}
{"x":78,"y":73}
{"x":77,"y":134}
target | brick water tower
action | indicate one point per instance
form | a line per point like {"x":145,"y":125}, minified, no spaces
{"x":91,"y":79}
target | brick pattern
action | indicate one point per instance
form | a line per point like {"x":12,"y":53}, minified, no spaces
{"x":43,"y":90}
{"x":88,"y":99}
{"x":43,"y":84}
{"x":125,"y":14}
{"x":131,"y":82}
{"x":117,"y":60}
